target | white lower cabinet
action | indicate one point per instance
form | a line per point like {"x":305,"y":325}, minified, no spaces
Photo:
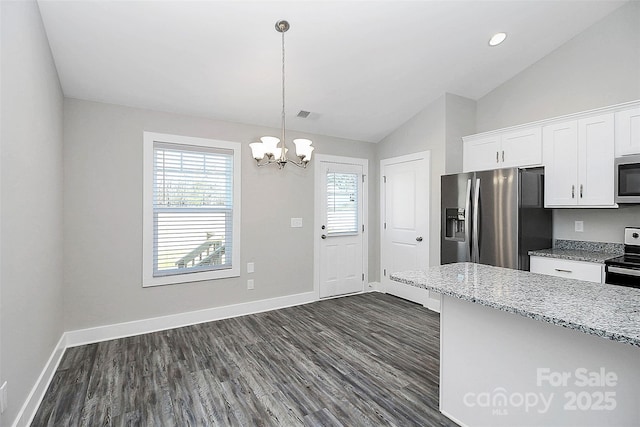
{"x":580,"y":270}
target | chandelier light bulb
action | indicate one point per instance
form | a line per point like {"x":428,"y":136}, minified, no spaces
{"x":257,"y":150}
{"x":270,"y":143}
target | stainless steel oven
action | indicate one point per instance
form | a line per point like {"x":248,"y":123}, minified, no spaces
{"x":625,"y":270}
{"x":627,"y":179}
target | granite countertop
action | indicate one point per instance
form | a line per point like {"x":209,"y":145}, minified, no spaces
{"x":577,"y":250}
{"x":574,"y":255}
{"x":608,"y":311}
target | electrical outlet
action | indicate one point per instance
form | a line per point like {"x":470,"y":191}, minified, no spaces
{"x":250,"y":284}
{"x":296,"y":222}
{"x":3,"y":397}
{"x":250,"y":267}
{"x":579,"y":226}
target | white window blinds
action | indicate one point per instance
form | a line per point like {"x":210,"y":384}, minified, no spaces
{"x":342,"y":203}
{"x":192,"y":208}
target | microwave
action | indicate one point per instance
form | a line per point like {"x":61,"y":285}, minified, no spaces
{"x":627,"y":179}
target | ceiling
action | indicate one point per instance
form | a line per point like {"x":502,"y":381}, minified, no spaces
{"x":361,"y":67}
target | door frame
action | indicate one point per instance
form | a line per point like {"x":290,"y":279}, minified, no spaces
{"x":317,"y":220}
{"x":412,"y":293}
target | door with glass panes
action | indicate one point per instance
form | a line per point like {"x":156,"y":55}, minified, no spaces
{"x":341,"y":245}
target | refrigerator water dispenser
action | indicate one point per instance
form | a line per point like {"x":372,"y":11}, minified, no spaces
{"x":455,"y":220}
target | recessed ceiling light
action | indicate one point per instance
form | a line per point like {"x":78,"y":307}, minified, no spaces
{"x":497,"y":38}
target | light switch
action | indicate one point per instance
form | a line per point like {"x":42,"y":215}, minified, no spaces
{"x":250,"y":284}
{"x":296,"y":222}
{"x":579,"y":226}
{"x":250,"y":267}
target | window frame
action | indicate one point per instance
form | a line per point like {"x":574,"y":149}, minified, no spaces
{"x":148,"y":279}
{"x":358,"y":214}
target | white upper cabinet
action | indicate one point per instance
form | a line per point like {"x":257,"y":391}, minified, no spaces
{"x":560,"y":148}
{"x":522,"y":147}
{"x":503,"y":150}
{"x":628,"y":132}
{"x":481,"y":153}
{"x":578,"y":158}
{"x":595,"y":161}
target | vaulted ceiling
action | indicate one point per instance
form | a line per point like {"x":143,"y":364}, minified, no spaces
{"x":361,"y":67}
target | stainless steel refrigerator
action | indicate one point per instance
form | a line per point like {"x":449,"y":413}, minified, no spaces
{"x":494,"y":217}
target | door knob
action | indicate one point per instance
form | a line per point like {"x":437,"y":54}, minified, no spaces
{"x":419,"y":239}
{"x":324,"y":236}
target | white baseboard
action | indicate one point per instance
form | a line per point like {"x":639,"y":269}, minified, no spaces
{"x":428,"y":299}
{"x":460,"y":423}
{"x":434,"y":301}
{"x":30,"y":406}
{"x":408,"y":292}
{"x":144,"y":326}
{"x":375,"y":287}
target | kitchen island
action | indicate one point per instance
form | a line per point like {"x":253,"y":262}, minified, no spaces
{"x":519,"y":348}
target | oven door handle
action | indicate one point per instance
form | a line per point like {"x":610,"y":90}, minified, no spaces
{"x":625,"y":271}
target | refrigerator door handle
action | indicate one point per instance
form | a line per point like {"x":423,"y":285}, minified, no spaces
{"x":467,"y":220}
{"x":476,"y":225}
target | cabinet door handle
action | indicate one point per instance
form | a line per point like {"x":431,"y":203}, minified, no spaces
{"x":503,"y":155}
{"x":581,"y":191}
{"x":497,"y":158}
{"x":563,"y":270}
{"x":573,"y":191}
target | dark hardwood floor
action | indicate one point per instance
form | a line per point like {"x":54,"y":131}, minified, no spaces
{"x":363,"y":360}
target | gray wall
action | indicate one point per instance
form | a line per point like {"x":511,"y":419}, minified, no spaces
{"x":103,"y":217}
{"x":460,"y":117}
{"x":31,"y":201}
{"x":437,"y":128}
{"x":599,"y":67}
{"x":600,"y":225}
{"x":424,"y":131}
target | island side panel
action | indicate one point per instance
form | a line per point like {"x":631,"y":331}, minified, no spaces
{"x":502,"y":369}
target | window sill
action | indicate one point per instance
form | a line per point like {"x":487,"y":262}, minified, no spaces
{"x":150,"y":281}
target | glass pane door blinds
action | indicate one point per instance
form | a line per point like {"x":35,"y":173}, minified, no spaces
{"x":192,"y":208}
{"x":342,"y":203}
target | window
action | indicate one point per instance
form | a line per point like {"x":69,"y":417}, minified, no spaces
{"x":191,"y":209}
{"x":342,"y":203}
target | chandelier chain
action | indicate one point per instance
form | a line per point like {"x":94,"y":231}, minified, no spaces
{"x":283,"y":154}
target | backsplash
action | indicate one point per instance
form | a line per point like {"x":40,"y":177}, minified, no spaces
{"x":600,"y":225}
{"x":610,"y":248}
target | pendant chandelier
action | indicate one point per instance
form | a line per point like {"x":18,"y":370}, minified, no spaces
{"x":272,"y":150}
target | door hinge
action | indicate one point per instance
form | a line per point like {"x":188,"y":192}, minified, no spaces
{"x":363,"y":178}
{"x":385,"y":225}
{"x":363,"y":228}
{"x":384,"y":272}
{"x":363,"y":277}
{"x":384,"y":179}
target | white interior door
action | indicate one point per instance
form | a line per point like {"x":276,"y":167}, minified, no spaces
{"x":405,"y":222}
{"x":341,"y":225}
